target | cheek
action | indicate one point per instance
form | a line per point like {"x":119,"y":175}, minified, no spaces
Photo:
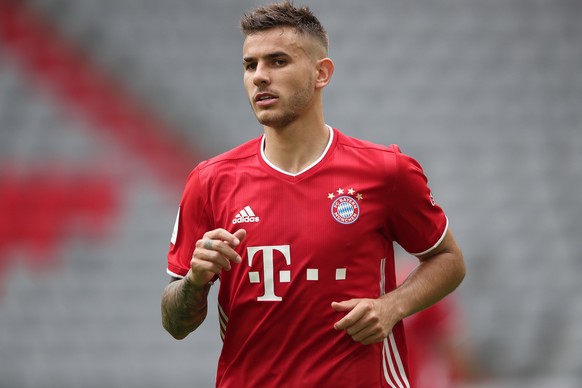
{"x":249,"y":89}
{"x":246,"y":84}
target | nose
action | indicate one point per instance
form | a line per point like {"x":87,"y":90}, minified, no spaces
{"x":261,"y":75}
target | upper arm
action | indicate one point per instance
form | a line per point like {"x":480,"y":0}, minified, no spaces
{"x":447,"y":245}
{"x":191,"y":223}
{"x":448,"y":250}
{"x":417,"y":223}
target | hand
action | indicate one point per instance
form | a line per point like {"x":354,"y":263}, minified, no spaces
{"x":214,"y":253}
{"x":367,"y":320}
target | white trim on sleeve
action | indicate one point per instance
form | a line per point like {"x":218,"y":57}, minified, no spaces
{"x":174,"y":274}
{"x":437,"y":243}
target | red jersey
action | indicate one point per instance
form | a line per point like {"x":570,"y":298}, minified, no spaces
{"x":325,"y":234}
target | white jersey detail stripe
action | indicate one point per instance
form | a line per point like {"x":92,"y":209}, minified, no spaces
{"x":390,"y":347}
{"x":243,"y":213}
{"x":387,"y":359}
{"x":383,"y":277}
{"x":398,"y":361}
{"x":222,"y":314}
{"x":175,"y":231}
{"x":223,"y":321}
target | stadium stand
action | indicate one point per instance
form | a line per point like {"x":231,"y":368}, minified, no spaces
{"x":486,"y":95}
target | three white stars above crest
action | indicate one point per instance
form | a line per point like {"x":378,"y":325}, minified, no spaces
{"x":341,"y":191}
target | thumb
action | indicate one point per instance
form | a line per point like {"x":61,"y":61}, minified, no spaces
{"x":240,"y":234}
{"x":346,"y":305}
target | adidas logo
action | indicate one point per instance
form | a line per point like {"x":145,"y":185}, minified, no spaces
{"x":245,"y":215}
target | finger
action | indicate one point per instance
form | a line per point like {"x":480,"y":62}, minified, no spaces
{"x":366,"y":333}
{"x":346,"y":305}
{"x":207,"y":244}
{"x":223,"y":235}
{"x":203,"y":265}
{"x":202,"y":271}
{"x":240,"y":235}
{"x":223,"y":241}
{"x":359,"y":329}
{"x":371,"y":339}
{"x":208,"y":247}
{"x":204,"y":258}
{"x":350,"y":319}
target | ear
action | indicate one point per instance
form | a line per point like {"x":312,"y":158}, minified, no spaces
{"x":324,"y":72}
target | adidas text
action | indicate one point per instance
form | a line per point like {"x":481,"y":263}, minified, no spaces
{"x":245,"y":215}
{"x":240,"y":219}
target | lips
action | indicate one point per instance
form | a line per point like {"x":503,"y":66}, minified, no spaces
{"x":265,"y":98}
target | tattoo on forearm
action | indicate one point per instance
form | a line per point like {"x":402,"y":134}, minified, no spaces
{"x":184,"y":307}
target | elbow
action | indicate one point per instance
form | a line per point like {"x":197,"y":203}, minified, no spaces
{"x":172,"y":327}
{"x":177,"y":336}
{"x":180,"y":329}
{"x":174,"y":331}
{"x":460,"y":268}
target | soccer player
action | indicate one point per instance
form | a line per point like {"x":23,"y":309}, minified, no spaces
{"x":298,"y":227}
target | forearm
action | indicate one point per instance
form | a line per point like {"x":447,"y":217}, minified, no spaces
{"x":184,"y":307}
{"x":431,"y":281}
{"x":371,"y":320}
{"x":437,"y":275}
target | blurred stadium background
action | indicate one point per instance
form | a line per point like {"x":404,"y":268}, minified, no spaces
{"x":106,"y":105}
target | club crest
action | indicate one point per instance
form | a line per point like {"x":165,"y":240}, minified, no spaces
{"x":345,"y":210}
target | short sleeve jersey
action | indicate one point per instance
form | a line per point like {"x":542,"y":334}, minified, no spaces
{"x":323,"y":235}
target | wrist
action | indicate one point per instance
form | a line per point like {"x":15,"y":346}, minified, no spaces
{"x":191,"y":282}
{"x":397,"y":305}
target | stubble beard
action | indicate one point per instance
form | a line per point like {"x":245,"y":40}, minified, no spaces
{"x":299,"y":101}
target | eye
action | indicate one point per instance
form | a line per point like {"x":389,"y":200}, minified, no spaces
{"x":250,"y":66}
{"x":279,"y":62}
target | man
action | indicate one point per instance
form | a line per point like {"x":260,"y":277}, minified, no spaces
{"x":298,"y":225}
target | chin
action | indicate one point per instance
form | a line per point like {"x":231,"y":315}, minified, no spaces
{"x":274,"y":120}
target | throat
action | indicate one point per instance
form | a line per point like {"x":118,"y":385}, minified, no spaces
{"x":295,"y":158}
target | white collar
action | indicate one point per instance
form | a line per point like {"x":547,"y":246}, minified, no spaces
{"x":306,"y":168}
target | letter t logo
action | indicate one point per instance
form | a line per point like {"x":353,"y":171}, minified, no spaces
{"x":268,"y":274}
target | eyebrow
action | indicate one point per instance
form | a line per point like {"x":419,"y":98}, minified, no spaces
{"x":276,"y":54}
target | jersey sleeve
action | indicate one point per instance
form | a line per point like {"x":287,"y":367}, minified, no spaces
{"x":191,"y":223}
{"x":418,"y":223}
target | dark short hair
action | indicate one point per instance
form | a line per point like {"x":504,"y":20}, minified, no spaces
{"x":284,"y":14}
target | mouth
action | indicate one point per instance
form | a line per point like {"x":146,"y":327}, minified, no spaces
{"x":264,"y":98}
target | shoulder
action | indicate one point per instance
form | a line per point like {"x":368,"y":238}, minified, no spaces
{"x":388,"y":161}
{"x":233,"y":156}
{"x":356,"y":144}
{"x":224,"y":165}
{"x":389,"y":156}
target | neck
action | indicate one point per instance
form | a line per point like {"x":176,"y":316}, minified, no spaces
{"x":296,"y":147}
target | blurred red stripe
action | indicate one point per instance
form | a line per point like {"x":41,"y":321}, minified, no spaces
{"x":39,"y":208}
{"x":69,"y":72}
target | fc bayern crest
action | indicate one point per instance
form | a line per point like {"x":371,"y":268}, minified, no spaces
{"x":345,"y":210}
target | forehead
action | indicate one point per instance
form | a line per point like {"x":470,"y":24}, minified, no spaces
{"x":280,"y":39}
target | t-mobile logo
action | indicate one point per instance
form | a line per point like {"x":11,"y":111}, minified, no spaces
{"x":268,"y":275}
{"x":311,"y":274}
